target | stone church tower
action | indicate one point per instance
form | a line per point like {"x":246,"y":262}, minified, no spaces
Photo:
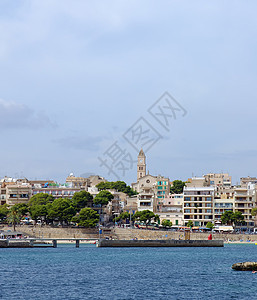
{"x":141,"y":165}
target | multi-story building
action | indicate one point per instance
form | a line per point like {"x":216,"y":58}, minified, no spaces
{"x":218,"y":179}
{"x":223,"y":203}
{"x":197,"y":182}
{"x":244,"y":181}
{"x":244,"y":202}
{"x":171,"y":209}
{"x":18,"y":193}
{"x":84,"y":183}
{"x":198,"y":205}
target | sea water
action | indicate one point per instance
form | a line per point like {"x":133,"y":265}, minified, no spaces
{"x":88,"y":272}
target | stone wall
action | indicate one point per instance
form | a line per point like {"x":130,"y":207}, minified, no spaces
{"x":55,"y":232}
{"x":122,"y":233}
{"x":141,"y":234}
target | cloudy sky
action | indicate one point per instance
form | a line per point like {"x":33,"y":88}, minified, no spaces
{"x":78,"y":79}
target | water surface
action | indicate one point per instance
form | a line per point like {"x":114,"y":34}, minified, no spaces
{"x":126,"y":273}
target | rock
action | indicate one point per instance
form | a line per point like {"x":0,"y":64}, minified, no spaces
{"x":245,"y":266}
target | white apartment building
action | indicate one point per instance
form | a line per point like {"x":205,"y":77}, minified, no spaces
{"x":198,"y":205}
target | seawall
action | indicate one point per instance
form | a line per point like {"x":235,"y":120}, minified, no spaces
{"x":123,"y":234}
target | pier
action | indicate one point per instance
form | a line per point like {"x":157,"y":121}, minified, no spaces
{"x":160,"y":243}
{"x":39,"y":242}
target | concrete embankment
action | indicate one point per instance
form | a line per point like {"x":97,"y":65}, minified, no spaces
{"x":56,"y":232}
{"x":160,"y":243}
{"x":15,"y":244}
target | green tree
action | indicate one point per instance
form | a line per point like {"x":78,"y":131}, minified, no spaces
{"x":4,"y":210}
{"x":39,"y":212}
{"x":40,"y":199}
{"x":238,"y":217}
{"x":209,"y":225}
{"x":254,"y":214}
{"x":103,"y":198}
{"x":81,"y":199}
{"x":145,"y":216}
{"x":227,"y":217}
{"x":119,"y":186}
{"x":177,"y":187}
{"x":166,"y":223}
{"x":124,"y":216}
{"x":14,"y":217}
{"x":87,"y":218}
{"x":61,"y":210}
{"x":22,"y":208}
{"x":190,"y":223}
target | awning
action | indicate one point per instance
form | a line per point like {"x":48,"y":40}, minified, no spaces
{"x":224,"y":228}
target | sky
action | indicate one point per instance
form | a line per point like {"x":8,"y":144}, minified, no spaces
{"x":78,"y":80}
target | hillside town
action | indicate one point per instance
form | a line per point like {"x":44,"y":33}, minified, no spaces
{"x":199,"y":200}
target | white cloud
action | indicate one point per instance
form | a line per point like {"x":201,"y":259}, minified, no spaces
{"x":19,"y":116}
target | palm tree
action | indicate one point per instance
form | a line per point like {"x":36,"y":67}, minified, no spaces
{"x":14,"y":217}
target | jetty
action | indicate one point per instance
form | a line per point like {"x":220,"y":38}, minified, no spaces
{"x":39,"y":242}
{"x":160,"y":243}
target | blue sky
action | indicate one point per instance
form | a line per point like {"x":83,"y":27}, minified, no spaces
{"x":75,"y":75}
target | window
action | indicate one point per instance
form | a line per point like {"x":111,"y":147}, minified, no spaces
{"x":208,"y":211}
{"x":187,"y":198}
{"x":187,"y":211}
{"x":208,"y":204}
{"x":208,"y":198}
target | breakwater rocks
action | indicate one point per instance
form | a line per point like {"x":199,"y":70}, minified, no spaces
{"x":245,"y":266}
{"x":15,"y":244}
{"x":160,"y":243}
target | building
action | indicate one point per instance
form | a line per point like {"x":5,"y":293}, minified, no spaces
{"x":198,"y":205}
{"x":244,"y":181}
{"x":172,"y":209}
{"x":18,"y":193}
{"x":218,"y":179}
{"x":151,"y":189}
{"x":223,"y":201}
{"x":84,"y":183}
{"x":244,"y":202}
{"x":141,"y":165}
{"x":197,"y":182}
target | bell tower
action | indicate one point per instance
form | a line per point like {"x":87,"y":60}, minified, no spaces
{"x":141,"y":165}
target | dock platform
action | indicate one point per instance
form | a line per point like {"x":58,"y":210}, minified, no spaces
{"x":160,"y":243}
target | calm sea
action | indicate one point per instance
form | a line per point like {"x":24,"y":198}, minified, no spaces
{"x":126,"y":273}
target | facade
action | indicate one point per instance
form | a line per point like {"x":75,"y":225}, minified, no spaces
{"x":244,"y":181}
{"x":244,"y":202}
{"x":223,"y":201}
{"x":151,"y":189}
{"x":197,"y":182}
{"x":198,"y":205}
{"x":171,"y":209}
{"x":84,"y":183}
{"x":218,"y":179}
{"x":18,"y":193}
